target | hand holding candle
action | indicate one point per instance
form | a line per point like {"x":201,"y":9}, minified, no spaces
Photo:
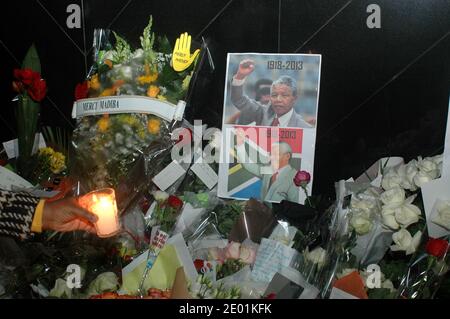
{"x":66,"y":215}
{"x":102,"y":203}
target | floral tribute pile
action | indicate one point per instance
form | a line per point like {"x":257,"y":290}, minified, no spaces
{"x":372,"y":241}
{"x":349,"y":248}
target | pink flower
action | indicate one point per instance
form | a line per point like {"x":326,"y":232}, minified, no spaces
{"x":302,"y":178}
{"x":232,"y":250}
{"x":247,"y":255}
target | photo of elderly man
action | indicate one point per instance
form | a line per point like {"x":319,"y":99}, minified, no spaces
{"x":280,"y":109}
{"x":277,"y":177}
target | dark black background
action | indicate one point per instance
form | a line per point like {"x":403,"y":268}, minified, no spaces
{"x":383,"y":91}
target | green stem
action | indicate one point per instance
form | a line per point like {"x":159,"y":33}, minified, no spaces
{"x":27,"y":118}
{"x":307,"y":197}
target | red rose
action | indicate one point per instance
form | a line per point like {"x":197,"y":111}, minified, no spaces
{"x":198,"y":263}
{"x":37,"y":90}
{"x":81,"y":90}
{"x":437,"y":247}
{"x":302,"y":178}
{"x":175,"y":202}
{"x":26,"y":76}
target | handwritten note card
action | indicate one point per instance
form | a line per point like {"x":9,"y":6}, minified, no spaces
{"x":271,"y":257}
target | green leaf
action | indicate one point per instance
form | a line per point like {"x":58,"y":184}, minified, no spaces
{"x":122,"y":52}
{"x":147,"y":41}
{"x":164,"y":45}
{"x":31,"y":60}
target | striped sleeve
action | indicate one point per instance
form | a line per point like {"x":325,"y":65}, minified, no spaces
{"x":16,"y":213}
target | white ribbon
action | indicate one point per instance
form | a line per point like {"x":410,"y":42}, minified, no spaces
{"x":128,"y":104}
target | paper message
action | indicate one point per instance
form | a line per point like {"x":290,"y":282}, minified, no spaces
{"x":12,"y":147}
{"x":169,"y":175}
{"x":270,"y":259}
{"x":10,"y":180}
{"x":432,"y":192}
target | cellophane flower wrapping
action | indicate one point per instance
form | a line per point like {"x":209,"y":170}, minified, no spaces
{"x":125,"y":150}
{"x":426,"y":271}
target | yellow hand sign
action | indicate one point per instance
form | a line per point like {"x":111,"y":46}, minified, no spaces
{"x":182,"y":58}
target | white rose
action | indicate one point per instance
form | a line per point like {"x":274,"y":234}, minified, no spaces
{"x":390,"y":221}
{"x":407,"y":213}
{"x":366,"y":205}
{"x":373,"y":192}
{"x":104,"y":282}
{"x":422,"y":178}
{"x":61,"y":290}
{"x":409,"y":171}
{"x":160,"y":196}
{"x":438,"y":160}
{"x":427,"y":165}
{"x":391,"y":180}
{"x":442,"y":217}
{"x":318,"y":256}
{"x":405,"y":242}
{"x":361,"y":224}
{"x":393,"y":197}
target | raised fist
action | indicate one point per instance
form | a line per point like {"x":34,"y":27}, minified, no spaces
{"x":245,"y":68}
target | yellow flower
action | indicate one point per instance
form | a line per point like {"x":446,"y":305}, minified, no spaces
{"x":57,"y":162}
{"x":108,"y":92}
{"x":161,"y":98}
{"x":153,"y":126}
{"x":153,"y":91}
{"x":46,"y":151}
{"x":149,"y":77}
{"x":94,"y":83}
{"x":103,"y":124}
{"x":141,"y":133}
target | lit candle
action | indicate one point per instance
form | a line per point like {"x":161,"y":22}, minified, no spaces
{"x":102,"y":203}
